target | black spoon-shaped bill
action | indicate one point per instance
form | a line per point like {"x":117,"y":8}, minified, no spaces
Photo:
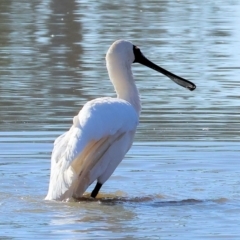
{"x":140,"y":58}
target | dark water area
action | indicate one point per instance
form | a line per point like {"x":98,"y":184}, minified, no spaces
{"x":52,"y":62}
{"x":181,"y":177}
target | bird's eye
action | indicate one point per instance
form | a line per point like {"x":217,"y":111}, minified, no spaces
{"x":136,"y":49}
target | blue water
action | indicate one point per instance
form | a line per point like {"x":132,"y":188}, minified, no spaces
{"x":180,"y":180}
{"x":173,"y":189}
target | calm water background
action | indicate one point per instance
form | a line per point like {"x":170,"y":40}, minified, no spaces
{"x":181,"y":178}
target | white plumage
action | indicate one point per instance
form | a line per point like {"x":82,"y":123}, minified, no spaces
{"x":103,"y":131}
{"x":99,"y":138}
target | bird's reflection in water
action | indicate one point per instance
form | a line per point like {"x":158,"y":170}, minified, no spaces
{"x":152,"y":200}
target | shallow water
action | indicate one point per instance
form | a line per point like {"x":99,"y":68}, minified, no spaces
{"x":180,"y":180}
{"x":160,"y":190}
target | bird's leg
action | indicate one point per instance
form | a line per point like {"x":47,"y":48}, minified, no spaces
{"x":96,"y":190}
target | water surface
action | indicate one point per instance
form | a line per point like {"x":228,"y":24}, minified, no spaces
{"x":181,"y":177}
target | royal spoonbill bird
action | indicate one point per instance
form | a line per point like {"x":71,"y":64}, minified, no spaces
{"x":103,"y":131}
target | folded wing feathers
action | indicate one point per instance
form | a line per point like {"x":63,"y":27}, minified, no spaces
{"x":78,"y":150}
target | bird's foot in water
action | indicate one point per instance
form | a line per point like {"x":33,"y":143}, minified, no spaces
{"x":96,"y":190}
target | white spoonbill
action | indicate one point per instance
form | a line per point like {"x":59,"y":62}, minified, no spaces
{"x":104,"y":129}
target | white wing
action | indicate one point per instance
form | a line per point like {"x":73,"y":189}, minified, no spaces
{"x":96,"y":143}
